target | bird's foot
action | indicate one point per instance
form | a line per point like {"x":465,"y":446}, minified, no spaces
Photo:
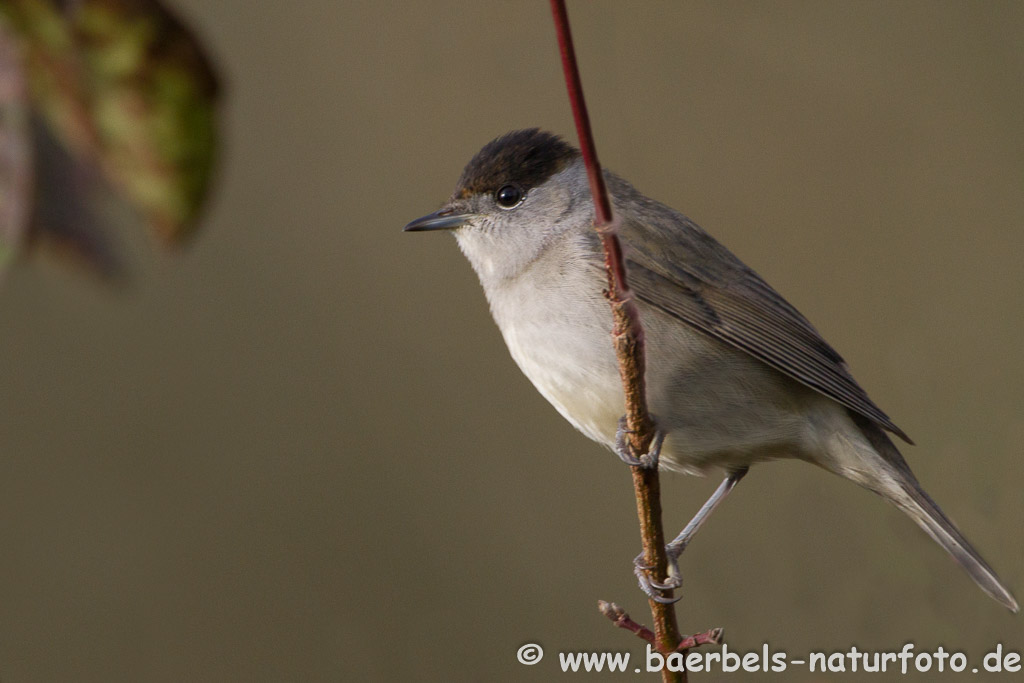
{"x":624,"y":449}
{"x":653,"y":588}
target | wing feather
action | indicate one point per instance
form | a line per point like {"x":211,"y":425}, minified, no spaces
{"x":731,"y":302}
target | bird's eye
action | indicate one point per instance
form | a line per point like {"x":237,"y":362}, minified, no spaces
{"x":508,"y":196}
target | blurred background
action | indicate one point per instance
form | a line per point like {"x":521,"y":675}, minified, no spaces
{"x":299,"y":450}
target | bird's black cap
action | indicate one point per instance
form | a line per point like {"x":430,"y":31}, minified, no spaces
{"x":523,"y":157}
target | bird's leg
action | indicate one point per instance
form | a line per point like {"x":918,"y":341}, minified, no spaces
{"x":674,"y":549}
{"x":624,"y":450}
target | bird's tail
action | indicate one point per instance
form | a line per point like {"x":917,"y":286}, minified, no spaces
{"x":898,"y":485}
{"x":923,"y":510}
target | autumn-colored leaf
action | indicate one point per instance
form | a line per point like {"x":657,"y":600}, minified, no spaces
{"x":123,"y":84}
{"x":75,"y":208}
{"x":15,"y":150}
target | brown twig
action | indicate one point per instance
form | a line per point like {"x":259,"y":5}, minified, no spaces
{"x":623,"y":620}
{"x":710,"y":637}
{"x":627,"y":337}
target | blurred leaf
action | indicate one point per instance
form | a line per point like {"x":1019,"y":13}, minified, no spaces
{"x":75,"y":207}
{"x":15,"y":150}
{"x":123,"y":85}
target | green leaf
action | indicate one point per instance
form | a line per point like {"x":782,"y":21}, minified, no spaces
{"x":124,"y":85}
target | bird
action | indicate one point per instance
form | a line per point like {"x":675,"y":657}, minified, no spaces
{"x":735,"y":375}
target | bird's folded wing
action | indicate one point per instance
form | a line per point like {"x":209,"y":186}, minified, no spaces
{"x":733,"y":304}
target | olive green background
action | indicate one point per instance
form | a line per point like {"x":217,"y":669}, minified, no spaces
{"x":299,"y":451}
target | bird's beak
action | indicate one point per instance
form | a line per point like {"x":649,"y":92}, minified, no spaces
{"x":445,"y":219}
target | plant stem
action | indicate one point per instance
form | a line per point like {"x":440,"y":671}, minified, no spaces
{"x":628,"y":339}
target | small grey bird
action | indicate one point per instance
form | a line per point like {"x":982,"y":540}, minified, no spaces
{"x":735,"y":374}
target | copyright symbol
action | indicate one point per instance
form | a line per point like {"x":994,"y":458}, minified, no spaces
{"x":530,"y":654}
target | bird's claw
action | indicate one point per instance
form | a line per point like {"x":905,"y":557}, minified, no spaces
{"x":672,"y":581}
{"x":649,"y":460}
{"x":639,"y":564}
{"x":650,"y":587}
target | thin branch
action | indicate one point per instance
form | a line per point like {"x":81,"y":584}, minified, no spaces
{"x":623,"y":620}
{"x":710,"y":637}
{"x":627,"y":336}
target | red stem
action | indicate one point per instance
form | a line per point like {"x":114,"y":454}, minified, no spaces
{"x":627,"y":336}
{"x":602,"y":205}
